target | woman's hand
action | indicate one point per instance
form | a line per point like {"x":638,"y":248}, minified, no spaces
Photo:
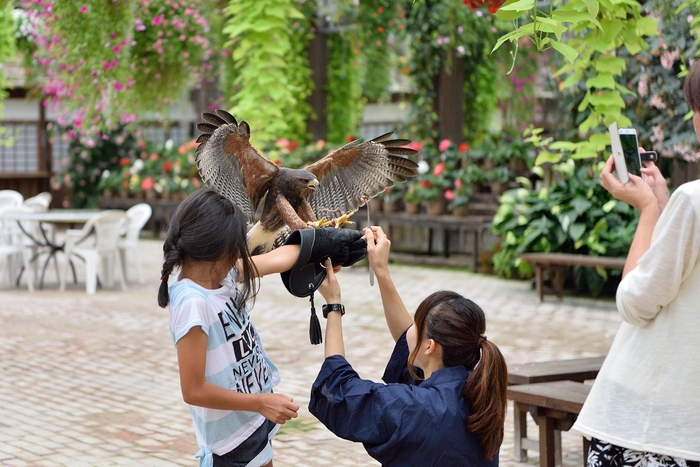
{"x":330,"y":288}
{"x":636,"y":193}
{"x":656,"y":181}
{"x":378,"y":247}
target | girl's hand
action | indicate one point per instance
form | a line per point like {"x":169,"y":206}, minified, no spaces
{"x":636,"y":193}
{"x":657,"y":183}
{"x":277,"y":408}
{"x":330,"y":288}
{"x":378,"y":246}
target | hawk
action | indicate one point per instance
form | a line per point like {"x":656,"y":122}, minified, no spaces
{"x":332,"y":187}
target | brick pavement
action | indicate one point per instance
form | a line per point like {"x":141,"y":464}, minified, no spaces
{"x":92,"y":381}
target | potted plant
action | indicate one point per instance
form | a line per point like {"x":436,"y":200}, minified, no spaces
{"x":392,"y":197}
{"x":412,"y":199}
{"x":458,"y":198}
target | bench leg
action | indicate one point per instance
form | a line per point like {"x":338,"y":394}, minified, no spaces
{"x":559,"y":280}
{"x":547,"y":444}
{"x":519,"y":431}
{"x":586,"y":447}
{"x":539,"y":282}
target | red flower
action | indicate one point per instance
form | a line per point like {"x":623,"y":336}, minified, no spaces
{"x":351,"y":138}
{"x":167,"y":166}
{"x":426,"y":184}
{"x":293,"y":145}
{"x":439,"y":169}
{"x":464,"y":147}
{"x":147,"y":183}
{"x":124,"y":161}
{"x":153,"y":157}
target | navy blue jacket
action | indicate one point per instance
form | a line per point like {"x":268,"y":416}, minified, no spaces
{"x":403,"y":423}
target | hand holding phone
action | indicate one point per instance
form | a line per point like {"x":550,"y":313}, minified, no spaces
{"x":625,"y":147}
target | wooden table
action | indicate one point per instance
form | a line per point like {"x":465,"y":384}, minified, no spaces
{"x":557,"y":262}
{"x":576,"y":369}
{"x":48,"y":244}
{"x":474,"y":226}
{"x":555,"y":406}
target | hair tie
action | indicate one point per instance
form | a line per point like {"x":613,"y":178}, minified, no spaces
{"x":164,"y":277}
{"x":482,"y":339}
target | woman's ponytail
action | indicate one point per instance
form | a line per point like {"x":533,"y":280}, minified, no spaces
{"x":486,"y":391}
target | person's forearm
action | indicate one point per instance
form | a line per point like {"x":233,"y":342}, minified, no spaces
{"x":278,"y":260}
{"x":642,"y":236}
{"x":397,"y":317}
{"x":334,"y":335}
{"x":214,"y":397}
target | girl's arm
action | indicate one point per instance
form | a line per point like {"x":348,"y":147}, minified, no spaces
{"x":397,"y":317}
{"x":278,"y":260}
{"x":330,"y":290}
{"x":196,"y":390}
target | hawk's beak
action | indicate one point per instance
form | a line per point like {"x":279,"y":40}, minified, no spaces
{"x":312,"y":184}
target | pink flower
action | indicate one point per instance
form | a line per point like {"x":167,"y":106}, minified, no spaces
{"x":444,"y":144}
{"x":458,"y":183}
{"x":83,"y":9}
{"x":449,"y":195}
{"x":118,"y":86}
{"x":439,"y":169}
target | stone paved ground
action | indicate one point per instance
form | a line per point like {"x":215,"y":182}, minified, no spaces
{"x":92,"y":381}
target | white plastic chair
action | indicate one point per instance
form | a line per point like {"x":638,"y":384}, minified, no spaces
{"x":106,"y":226}
{"x":9,"y":199}
{"x":138,"y":216}
{"x":12,"y":251}
{"x":41,"y":202}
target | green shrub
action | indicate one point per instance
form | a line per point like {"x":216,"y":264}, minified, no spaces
{"x":576,"y":215}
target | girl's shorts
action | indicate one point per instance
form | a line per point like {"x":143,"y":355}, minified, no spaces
{"x":602,"y":454}
{"x":249,"y":449}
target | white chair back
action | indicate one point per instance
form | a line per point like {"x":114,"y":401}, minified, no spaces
{"x":138,"y":216}
{"x":42,"y":201}
{"x":107,"y":226}
{"x":10,"y":199}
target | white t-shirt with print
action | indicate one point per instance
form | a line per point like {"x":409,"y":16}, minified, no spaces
{"x":235,"y":360}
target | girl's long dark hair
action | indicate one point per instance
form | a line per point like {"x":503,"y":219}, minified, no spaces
{"x":207,"y":226}
{"x":458,"y":325}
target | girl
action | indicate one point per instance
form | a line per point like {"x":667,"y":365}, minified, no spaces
{"x":225,"y":375}
{"x":445,"y":398}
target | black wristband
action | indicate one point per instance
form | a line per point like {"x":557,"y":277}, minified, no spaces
{"x":333,"y":307}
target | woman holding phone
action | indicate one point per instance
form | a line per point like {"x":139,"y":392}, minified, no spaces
{"x":644,"y":409}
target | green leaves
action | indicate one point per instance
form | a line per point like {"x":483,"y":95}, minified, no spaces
{"x":259,"y":90}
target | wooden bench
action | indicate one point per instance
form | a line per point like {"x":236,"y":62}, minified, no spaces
{"x":577,"y":369}
{"x":473,"y":226}
{"x":555,"y":405}
{"x":557,"y":263}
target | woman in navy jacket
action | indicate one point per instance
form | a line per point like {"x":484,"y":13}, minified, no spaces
{"x":444,"y":401}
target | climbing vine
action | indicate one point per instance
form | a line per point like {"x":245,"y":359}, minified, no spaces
{"x":587,"y":33}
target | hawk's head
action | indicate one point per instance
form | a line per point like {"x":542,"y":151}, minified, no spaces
{"x":296,"y":183}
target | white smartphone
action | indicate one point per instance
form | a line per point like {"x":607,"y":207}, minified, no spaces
{"x":619,"y":157}
{"x":625,"y":149}
{"x":630,"y":149}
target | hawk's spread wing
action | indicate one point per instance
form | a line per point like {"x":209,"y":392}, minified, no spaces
{"x":352,"y":174}
{"x":229,"y":164}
